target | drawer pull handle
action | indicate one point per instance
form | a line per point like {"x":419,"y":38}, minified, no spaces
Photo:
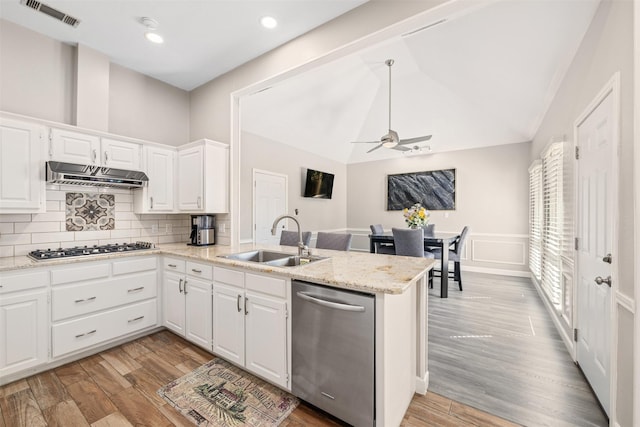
{"x":185,"y":286}
{"x":87,"y":333}
{"x":196,"y":271}
{"x":172,"y":265}
{"x":85,"y":300}
{"x":180,"y":285}
{"x":137,"y":318}
{"x":136,"y":289}
{"x":239,"y":298}
{"x":246,"y":305}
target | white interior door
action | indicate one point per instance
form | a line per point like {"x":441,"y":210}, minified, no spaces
{"x":596,"y":197}
{"x":269,"y":201}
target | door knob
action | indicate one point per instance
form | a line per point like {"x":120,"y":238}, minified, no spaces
{"x":600,"y":280}
{"x":607,"y":258}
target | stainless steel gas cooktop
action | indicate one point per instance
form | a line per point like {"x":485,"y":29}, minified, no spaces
{"x":48,"y":254}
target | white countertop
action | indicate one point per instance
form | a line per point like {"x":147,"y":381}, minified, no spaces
{"x":351,"y":270}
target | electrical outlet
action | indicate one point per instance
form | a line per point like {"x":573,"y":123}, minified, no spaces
{"x":168,"y":229}
{"x":223,"y":227}
{"x":154,"y":229}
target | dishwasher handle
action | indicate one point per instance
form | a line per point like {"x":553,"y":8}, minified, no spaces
{"x":330,"y":304}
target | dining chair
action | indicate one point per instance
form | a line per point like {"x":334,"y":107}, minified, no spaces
{"x":454,"y":255}
{"x":335,"y":241}
{"x":429,"y":230}
{"x":382,"y":248}
{"x":290,"y":238}
{"x":410,"y":242}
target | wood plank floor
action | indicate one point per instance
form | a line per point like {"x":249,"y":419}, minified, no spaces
{"x":117,"y":388}
{"x":494,"y":347}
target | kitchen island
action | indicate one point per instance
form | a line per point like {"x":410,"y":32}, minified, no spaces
{"x":398,"y":283}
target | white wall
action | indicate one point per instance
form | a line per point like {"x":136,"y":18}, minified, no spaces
{"x":314,"y":214}
{"x":22,"y":233}
{"x":491,"y":198}
{"x":607,"y":48}
{"x":38,"y":79}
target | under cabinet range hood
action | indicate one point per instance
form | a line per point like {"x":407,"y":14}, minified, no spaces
{"x":95,"y":176}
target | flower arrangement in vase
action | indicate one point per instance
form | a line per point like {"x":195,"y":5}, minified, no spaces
{"x":416,"y":216}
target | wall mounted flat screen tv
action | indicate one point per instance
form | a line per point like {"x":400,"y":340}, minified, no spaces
{"x":435,"y":190}
{"x":318,"y":185}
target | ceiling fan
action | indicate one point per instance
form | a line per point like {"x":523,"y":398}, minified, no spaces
{"x":391,"y":139}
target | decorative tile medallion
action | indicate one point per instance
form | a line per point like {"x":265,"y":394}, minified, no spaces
{"x":90,"y":212}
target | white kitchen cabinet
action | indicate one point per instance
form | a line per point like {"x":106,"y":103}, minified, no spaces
{"x":203,"y":177}
{"x":87,"y":149}
{"x":250,"y":322}
{"x":121,"y":154}
{"x":158,"y":195}
{"x":92,"y":303}
{"x":24,"y":336}
{"x":187,"y":300}
{"x":22,"y":186}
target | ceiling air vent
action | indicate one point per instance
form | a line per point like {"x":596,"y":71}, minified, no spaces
{"x":54,"y":13}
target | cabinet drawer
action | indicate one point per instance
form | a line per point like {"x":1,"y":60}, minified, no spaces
{"x":230,"y":277}
{"x":267,"y":285}
{"x":22,"y":281}
{"x":134,"y":265}
{"x":92,"y":330}
{"x":75,"y":300}
{"x":203,"y":271}
{"x":174,"y":264}
{"x":69,"y":274}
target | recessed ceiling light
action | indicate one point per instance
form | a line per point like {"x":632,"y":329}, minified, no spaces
{"x":269,"y":22}
{"x":153,"y":37}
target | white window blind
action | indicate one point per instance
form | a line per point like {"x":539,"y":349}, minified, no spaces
{"x":552,"y":223}
{"x":535,"y":219}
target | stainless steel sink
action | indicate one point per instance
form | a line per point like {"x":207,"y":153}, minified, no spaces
{"x":258,"y":256}
{"x":295,"y":260}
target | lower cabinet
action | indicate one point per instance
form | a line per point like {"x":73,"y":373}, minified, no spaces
{"x":187,"y":302}
{"x":249,"y":325}
{"x":100,"y":301}
{"x":24,"y":336}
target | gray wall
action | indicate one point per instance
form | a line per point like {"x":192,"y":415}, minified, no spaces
{"x":38,"y":79}
{"x":491,"y":198}
{"x":272,"y":156}
{"x":606,"y":49}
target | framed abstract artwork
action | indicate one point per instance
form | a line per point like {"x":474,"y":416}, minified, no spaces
{"x":435,"y":190}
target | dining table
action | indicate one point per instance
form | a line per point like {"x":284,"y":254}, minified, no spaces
{"x":436,"y":240}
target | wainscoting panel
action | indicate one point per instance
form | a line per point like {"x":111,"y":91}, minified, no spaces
{"x":504,"y":254}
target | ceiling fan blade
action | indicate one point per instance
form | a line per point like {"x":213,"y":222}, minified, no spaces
{"x":401,"y":148}
{"x":414,"y":140}
{"x":375,"y":148}
{"x":365,"y":142}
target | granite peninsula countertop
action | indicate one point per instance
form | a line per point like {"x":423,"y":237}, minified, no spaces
{"x":351,"y":270}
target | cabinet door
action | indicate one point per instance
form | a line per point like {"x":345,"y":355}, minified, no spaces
{"x":173,"y":301}
{"x":228,"y":323}
{"x":22,"y":186}
{"x":266,"y":338}
{"x":190,"y":179}
{"x":74,"y":147}
{"x":121,"y":154}
{"x":23,"y":331}
{"x":198,"y":312}
{"x":160,"y":165}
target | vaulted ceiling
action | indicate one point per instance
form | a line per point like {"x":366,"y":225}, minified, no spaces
{"x":478,"y":79}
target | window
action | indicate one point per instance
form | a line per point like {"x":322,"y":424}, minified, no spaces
{"x":547,"y":223}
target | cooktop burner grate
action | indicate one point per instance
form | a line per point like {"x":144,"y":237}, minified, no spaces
{"x":42,"y":254}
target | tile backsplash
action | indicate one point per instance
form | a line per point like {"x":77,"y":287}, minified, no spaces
{"x":22,"y":233}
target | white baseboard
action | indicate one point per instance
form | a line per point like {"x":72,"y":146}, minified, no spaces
{"x":422,"y":384}
{"x":498,"y":271}
{"x":568,"y":340}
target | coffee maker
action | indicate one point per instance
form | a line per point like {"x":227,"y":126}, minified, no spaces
{"x":202,"y":230}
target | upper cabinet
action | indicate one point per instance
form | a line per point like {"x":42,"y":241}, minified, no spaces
{"x":81,"y":148}
{"x":22,"y":187}
{"x":203,"y":177}
{"x":159,"y":165}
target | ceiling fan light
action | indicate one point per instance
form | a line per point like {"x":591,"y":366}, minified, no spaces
{"x":389,"y":144}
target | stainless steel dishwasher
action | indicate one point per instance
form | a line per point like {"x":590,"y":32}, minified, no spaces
{"x":333,"y":351}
